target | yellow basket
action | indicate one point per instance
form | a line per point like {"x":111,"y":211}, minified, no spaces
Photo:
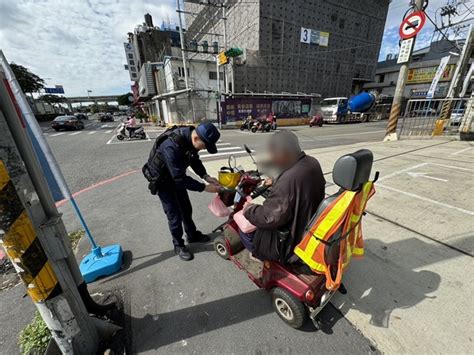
{"x":228,"y":179}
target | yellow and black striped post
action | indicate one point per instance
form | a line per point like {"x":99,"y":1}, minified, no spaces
{"x":33,"y":234}
{"x":22,"y":245}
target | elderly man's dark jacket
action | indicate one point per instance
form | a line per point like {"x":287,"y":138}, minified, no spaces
{"x":293,"y":200}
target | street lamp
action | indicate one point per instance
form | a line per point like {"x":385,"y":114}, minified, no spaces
{"x":88,"y":92}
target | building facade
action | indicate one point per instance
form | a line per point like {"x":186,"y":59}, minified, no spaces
{"x":329,"y":47}
{"x":176,"y":104}
{"x":421,"y":72}
{"x":148,"y":44}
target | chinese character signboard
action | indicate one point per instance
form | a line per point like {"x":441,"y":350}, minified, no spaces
{"x":426,"y":75}
{"x":405,"y":50}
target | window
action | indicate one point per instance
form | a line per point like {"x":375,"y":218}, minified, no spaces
{"x":212,"y":75}
{"x":131,"y":62}
{"x":181,"y":71}
{"x":134,"y":75}
{"x":381,"y":78}
{"x":132,"y":68}
{"x":130,"y":56}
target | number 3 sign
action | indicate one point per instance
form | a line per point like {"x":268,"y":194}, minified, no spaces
{"x":305,"y":35}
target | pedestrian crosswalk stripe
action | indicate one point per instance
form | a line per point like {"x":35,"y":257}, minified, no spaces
{"x":57,"y":134}
{"x":228,"y":148}
{"x":109,"y":131}
{"x":75,"y":133}
{"x":92,"y":132}
{"x":224,"y":153}
{"x":219,"y":144}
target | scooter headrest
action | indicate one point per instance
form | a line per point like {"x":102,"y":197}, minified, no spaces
{"x":351,"y":171}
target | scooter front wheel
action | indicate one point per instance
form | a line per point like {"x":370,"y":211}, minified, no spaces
{"x":120,"y":137}
{"x":220,"y":247}
{"x":291,"y":310}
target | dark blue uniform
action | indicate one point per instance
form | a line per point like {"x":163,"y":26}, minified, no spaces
{"x":178,"y":155}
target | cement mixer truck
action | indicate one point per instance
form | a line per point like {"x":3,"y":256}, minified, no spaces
{"x":362,"y":107}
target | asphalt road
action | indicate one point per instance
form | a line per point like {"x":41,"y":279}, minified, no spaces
{"x":94,"y":154}
{"x":206,"y":306}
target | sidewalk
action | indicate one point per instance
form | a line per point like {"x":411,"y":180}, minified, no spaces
{"x":411,"y":293}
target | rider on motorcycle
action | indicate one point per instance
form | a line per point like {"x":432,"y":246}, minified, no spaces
{"x":131,"y":125}
{"x":294,"y":198}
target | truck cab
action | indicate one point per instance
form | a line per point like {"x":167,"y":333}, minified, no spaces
{"x":334,"y":109}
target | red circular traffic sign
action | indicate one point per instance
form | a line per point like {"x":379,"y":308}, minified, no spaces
{"x":412,"y":24}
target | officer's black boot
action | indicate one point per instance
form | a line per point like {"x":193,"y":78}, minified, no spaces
{"x":183,"y":253}
{"x":197,"y":237}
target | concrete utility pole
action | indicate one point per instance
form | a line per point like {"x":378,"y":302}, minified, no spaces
{"x":391,"y":132}
{"x":34,"y":236}
{"x":462,"y":65}
{"x":224,"y":23}
{"x":183,"y":48}
{"x":218,"y":94}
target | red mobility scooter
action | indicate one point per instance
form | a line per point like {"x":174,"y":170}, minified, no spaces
{"x":296,"y":291}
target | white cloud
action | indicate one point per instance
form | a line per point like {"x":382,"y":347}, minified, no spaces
{"x":76,"y":43}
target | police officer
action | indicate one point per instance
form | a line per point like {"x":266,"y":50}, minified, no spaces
{"x":179,"y":152}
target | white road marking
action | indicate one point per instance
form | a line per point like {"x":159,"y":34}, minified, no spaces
{"x":461,"y":151}
{"x":426,"y":176}
{"x":220,"y":154}
{"x":452,"y":167}
{"x":471,"y":213}
{"x":228,"y":148}
{"x":110,"y":140}
{"x":219,"y":144}
{"x":402,"y":171}
{"x":57,"y":134}
{"x":75,"y":133}
{"x":109,"y":131}
{"x":92,"y":132}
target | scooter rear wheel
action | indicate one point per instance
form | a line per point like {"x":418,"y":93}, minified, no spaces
{"x":220,"y":247}
{"x":120,"y":137}
{"x":291,"y":310}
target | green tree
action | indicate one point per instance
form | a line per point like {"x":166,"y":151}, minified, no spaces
{"x":52,"y":99}
{"x":123,"y":99}
{"x":29,"y":82}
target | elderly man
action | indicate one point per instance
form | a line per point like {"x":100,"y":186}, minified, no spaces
{"x":294,"y":198}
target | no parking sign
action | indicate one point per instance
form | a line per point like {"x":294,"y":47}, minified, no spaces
{"x":412,"y":24}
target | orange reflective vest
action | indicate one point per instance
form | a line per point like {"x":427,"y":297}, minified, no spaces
{"x":344,"y":212}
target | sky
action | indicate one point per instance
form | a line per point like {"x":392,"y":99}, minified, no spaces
{"x":79,"y":43}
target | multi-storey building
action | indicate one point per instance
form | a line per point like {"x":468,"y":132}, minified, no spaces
{"x":329,"y":47}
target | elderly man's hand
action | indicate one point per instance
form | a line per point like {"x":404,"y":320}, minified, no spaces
{"x":268,"y":181}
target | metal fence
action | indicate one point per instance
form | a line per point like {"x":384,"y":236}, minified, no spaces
{"x":430,"y":117}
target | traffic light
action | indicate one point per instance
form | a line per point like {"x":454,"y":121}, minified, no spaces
{"x":234,"y":52}
{"x":222,"y":59}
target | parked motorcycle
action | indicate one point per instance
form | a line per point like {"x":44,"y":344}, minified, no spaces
{"x":296,"y":290}
{"x":246,"y":124}
{"x":137,"y":133}
{"x":261,"y":125}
